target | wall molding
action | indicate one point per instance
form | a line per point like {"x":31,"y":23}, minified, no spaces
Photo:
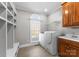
{"x":29,"y":44}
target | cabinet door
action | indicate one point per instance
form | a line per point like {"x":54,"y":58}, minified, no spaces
{"x":71,"y":13}
{"x":76,"y":14}
{"x":68,"y":48}
{"x":61,"y":44}
{"x":65,"y":15}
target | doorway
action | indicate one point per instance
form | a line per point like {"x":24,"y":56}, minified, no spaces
{"x":34,"y":28}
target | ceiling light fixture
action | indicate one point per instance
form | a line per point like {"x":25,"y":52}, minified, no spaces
{"x":45,"y":10}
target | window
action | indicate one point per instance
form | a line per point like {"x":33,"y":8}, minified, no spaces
{"x":35,"y":27}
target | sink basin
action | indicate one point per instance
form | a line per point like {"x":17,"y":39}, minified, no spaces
{"x":68,"y":35}
{"x":72,"y":36}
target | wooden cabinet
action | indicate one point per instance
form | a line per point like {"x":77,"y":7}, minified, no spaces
{"x":76,"y":18}
{"x":68,"y":48}
{"x":70,"y":14}
{"x":65,"y":15}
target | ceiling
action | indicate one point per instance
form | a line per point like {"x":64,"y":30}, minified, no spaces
{"x":38,"y":7}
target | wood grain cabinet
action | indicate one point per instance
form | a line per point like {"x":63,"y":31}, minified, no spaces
{"x":70,"y":14}
{"x":76,"y":21}
{"x":65,"y":16}
{"x":67,"y":48}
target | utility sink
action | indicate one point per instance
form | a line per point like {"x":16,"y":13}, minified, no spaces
{"x":72,"y":36}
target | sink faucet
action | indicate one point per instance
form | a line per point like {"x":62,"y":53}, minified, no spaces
{"x":74,"y":36}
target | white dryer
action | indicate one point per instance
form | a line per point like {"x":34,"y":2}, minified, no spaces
{"x":50,"y":41}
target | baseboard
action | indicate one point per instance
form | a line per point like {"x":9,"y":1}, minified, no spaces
{"x":29,"y":44}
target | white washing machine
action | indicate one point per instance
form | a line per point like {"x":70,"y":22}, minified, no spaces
{"x":50,"y":41}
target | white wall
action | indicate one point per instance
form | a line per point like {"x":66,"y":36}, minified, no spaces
{"x":23,"y":27}
{"x":70,"y":31}
{"x":55,"y":21}
{"x":43,"y":23}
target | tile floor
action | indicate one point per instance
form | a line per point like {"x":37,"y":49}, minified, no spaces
{"x":33,"y":51}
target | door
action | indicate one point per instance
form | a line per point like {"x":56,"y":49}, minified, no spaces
{"x":65,"y":14}
{"x":71,"y":13}
{"x":76,"y":14}
{"x":35,"y":30}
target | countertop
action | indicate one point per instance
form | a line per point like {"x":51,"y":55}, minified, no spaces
{"x":70,"y":38}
